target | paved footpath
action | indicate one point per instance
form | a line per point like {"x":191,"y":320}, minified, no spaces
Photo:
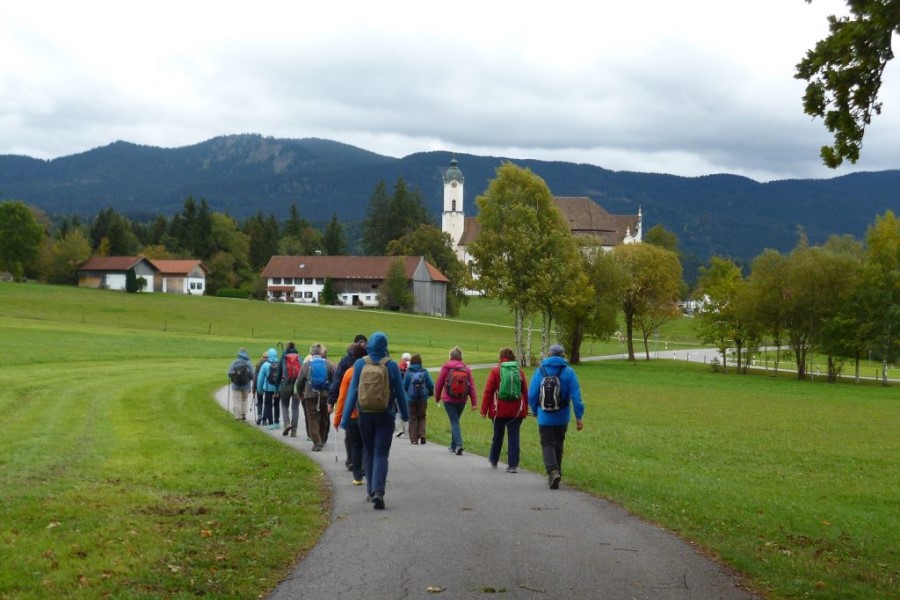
{"x":454,"y":528}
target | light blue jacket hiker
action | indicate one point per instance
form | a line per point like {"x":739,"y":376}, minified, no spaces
{"x":377,"y":348}
{"x":262,"y":378}
{"x":569,"y":388}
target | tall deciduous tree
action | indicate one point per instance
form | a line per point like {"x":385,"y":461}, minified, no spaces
{"x":815,"y":288}
{"x":524,"y":254}
{"x":844,"y":74}
{"x":20,"y":238}
{"x":719,"y":321}
{"x":764,"y":298}
{"x":65,"y":256}
{"x":595,"y":309}
{"x":652,"y":280}
{"x":881,"y":281}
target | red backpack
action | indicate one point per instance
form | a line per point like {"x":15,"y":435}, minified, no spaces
{"x":292,"y":366}
{"x":458,"y":382}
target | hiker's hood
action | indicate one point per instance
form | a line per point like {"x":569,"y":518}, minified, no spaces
{"x":415,"y":367}
{"x":557,"y":362}
{"x":377,"y":346}
{"x":243,"y":355}
{"x":272,"y":354}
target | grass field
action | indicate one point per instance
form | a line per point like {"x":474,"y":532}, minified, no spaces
{"x":120,"y":477}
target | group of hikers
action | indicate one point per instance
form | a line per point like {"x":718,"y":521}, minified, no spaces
{"x":375,"y":399}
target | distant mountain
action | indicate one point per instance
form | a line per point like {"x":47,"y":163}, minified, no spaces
{"x":240,"y":174}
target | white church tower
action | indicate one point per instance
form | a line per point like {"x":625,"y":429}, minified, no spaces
{"x":453,"y":219}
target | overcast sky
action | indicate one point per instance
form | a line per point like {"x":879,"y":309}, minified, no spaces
{"x":689,"y":88}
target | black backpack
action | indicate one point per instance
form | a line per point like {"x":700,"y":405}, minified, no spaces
{"x":551,"y":397}
{"x":241,"y":374}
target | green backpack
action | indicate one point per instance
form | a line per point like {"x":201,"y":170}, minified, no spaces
{"x":510,"y":382}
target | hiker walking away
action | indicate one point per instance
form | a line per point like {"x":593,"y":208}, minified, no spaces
{"x":419,"y":388}
{"x":505,"y":402}
{"x":265,"y":382}
{"x":343,"y":365}
{"x":288,"y":371}
{"x":352,"y":434}
{"x":377,"y":390}
{"x":554,"y":390}
{"x":313,"y":383}
{"x":454,"y":385}
{"x":257,"y":392}
{"x":399,"y":425}
{"x":240,"y":373}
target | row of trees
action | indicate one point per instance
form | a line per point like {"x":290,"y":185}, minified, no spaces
{"x":840,"y":299}
{"x":36,"y":248}
{"x":235,"y":252}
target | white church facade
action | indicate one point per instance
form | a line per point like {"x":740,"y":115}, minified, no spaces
{"x":583,"y":215}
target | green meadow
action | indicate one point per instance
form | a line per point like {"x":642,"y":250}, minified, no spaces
{"x":121,"y":477}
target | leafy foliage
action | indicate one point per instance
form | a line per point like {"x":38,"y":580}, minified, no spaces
{"x":20,"y":238}
{"x":844,"y":73}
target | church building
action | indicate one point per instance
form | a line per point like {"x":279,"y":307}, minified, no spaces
{"x":583,"y":215}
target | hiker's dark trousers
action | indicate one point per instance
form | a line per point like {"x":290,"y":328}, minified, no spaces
{"x":552,"y":440}
{"x":502,"y":426}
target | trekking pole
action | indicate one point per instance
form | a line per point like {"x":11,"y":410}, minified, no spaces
{"x":336,"y":430}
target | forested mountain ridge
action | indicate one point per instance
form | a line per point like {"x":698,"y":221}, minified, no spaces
{"x":241,"y":174}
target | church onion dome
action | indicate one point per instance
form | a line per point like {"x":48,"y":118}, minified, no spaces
{"x":453,"y":173}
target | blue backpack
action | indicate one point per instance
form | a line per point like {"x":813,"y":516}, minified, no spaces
{"x":318,"y":374}
{"x":416,"y":388}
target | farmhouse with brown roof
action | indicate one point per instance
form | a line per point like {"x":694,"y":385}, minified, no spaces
{"x":355,"y":279}
{"x":167,"y":276}
{"x":180,"y":276}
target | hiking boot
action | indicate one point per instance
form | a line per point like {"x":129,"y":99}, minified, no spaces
{"x":357,"y":482}
{"x":422,"y":440}
{"x":401,"y":433}
{"x":459,"y":451}
{"x":378,"y":500}
{"x":511,"y":470}
{"x":317,"y":448}
{"x":293,"y":432}
{"x":553,"y":480}
{"x":286,"y":431}
{"x":493,"y":465}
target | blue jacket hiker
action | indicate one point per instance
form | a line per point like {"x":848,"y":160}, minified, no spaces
{"x":419,"y":388}
{"x":267,"y":388}
{"x":376,"y":427}
{"x":241,"y":374}
{"x":552,"y":424}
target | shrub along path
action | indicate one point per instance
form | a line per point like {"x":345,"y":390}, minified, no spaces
{"x":456,"y":526}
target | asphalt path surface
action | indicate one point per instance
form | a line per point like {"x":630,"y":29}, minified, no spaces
{"x":455,"y":528}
